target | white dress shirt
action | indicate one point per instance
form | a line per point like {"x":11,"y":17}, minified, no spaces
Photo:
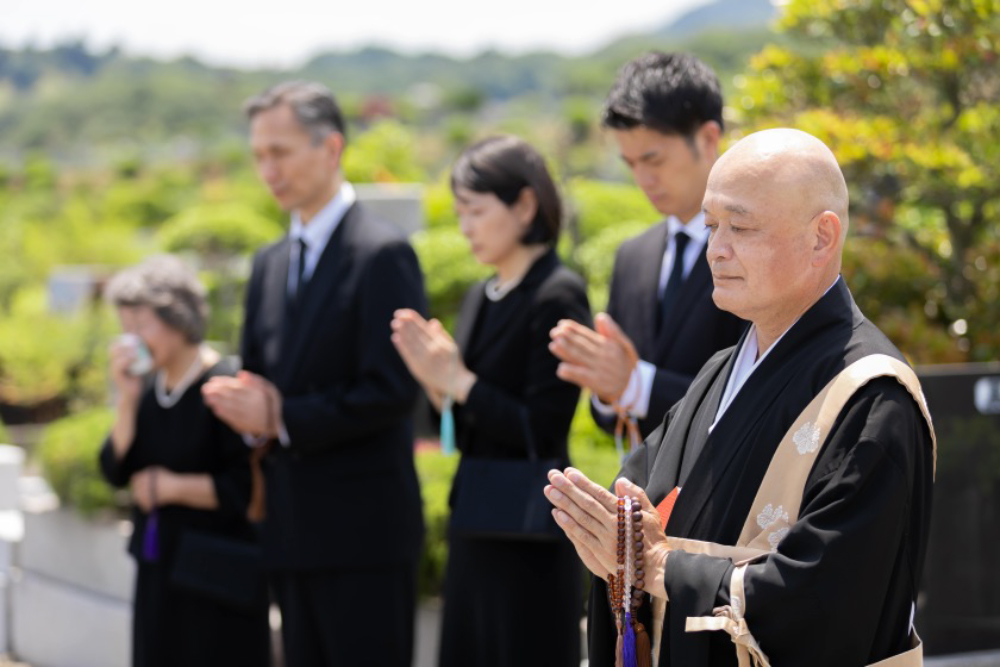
{"x":316,"y":233}
{"x":640,"y":384}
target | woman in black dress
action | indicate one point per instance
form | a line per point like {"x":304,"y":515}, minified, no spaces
{"x":513,"y":602}
{"x":188,"y":474}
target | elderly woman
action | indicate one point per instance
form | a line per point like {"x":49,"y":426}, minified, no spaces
{"x":511,"y":601}
{"x":189,"y":477}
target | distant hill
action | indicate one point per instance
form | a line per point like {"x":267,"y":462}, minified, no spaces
{"x":721,"y":15}
{"x":72,"y":102}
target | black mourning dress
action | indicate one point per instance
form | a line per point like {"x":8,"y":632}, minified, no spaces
{"x":515,"y":603}
{"x":171,"y":625}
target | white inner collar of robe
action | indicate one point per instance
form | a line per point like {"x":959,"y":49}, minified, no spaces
{"x":746,"y":363}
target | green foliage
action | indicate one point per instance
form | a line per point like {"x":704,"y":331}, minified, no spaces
{"x":218,"y":230}
{"x":435,"y":471}
{"x":449,"y":270}
{"x":595,"y":258}
{"x":591,"y":450}
{"x":47,"y":356}
{"x":601,"y":205}
{"x":383,"y":154}
{"x":439,"y":207}
{"x":4,"y":434}
{"x":68,"y":454}
{"x":905,"y":95}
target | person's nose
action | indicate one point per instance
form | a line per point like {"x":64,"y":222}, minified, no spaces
{"x":269,"y":171}
{"x":645,"y":177}
{"x":718,"y":247}
{"x":465,"y":226}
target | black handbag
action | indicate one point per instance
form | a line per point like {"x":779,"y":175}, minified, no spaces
{"x":503,"y":499}
{"x":222,"y":569}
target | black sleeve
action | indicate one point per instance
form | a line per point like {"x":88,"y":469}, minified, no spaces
{"x":839,"y":587}
{"x":545,"y":409}
{"x":384,"y":390}
{"x":250,"y":354}
{"x":232,"y":478}
{"x":116,"y":471}
{"x":607,"y":422}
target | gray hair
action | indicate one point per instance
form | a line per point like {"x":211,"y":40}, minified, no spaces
{"x":313,"y":104}
{"x":170,"y":288}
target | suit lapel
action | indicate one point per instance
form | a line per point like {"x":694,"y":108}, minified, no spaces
{"x":692,"y":288}
{"x":645,"y":297}
{"x":467,"y":316}
{"x":318,"y":292}
{"x":274,"y":303}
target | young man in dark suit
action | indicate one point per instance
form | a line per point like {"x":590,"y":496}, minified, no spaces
{"x":326,"y":390}
{"x":665,"y":113}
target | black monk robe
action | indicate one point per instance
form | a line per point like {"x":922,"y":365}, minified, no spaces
{"x":840,"y":587}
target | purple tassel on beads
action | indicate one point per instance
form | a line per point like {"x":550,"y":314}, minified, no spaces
{"x":151,"y":538}
{"x":629,"y":650}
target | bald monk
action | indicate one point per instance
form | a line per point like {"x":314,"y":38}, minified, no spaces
{"x":837,"y":550}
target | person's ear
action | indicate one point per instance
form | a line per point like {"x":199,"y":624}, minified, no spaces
{"x":707,"y":139}
{"x":334,"y":145}
{"x":525,"y":207}
{"x":827,"y":226}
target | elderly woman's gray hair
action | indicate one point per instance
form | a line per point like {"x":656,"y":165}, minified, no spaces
{"x":170,"y":288}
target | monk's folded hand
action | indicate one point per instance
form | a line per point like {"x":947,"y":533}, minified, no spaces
{"x":587,"y":513}
{"x":654,"y":540}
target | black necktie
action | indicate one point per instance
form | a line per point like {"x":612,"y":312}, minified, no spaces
{"x":674,"y":282}
{"x":300,"y":270}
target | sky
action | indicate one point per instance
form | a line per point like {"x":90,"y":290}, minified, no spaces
{"x":285,"y":33}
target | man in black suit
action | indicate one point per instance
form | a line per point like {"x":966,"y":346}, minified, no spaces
{"x":665,"y":112}
{"x":324,"y":387}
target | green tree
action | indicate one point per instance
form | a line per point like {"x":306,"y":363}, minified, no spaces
{"x":905,"y":93}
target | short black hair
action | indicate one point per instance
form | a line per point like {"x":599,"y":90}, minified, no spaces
{"x":504,"y":166}
{"x":313,"y":104}
{"x":672,"y":93}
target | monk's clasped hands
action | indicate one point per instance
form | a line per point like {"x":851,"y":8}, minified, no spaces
{"x":587,"y":513}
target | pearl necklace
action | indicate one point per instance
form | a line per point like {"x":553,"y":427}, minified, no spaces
{"x":495,"y":290}
{"x":169,"y":399}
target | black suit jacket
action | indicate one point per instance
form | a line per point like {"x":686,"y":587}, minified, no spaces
{"x":698,"y":330}
{"x":347,"y":399}
{"x":518,"y":396}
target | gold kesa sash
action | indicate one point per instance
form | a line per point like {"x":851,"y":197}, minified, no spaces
{"x":775,"y":509}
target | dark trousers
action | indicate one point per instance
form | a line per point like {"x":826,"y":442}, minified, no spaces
{"x":350,"y":618}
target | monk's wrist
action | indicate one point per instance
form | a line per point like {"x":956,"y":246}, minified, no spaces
{"x":658,"y":586}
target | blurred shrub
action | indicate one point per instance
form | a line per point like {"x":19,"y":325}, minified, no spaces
{"x":4,"y":435}
{"x":599,"y":205}
{"x":68,"y":454}
{"x":46,"y":356}
{"x":439,"y":206}
{"x":384,"y":154}
{"x":595,"y":257}
{"x":218,"y":230}
{"x":435,"y":471}
{"x":449,"y":270}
